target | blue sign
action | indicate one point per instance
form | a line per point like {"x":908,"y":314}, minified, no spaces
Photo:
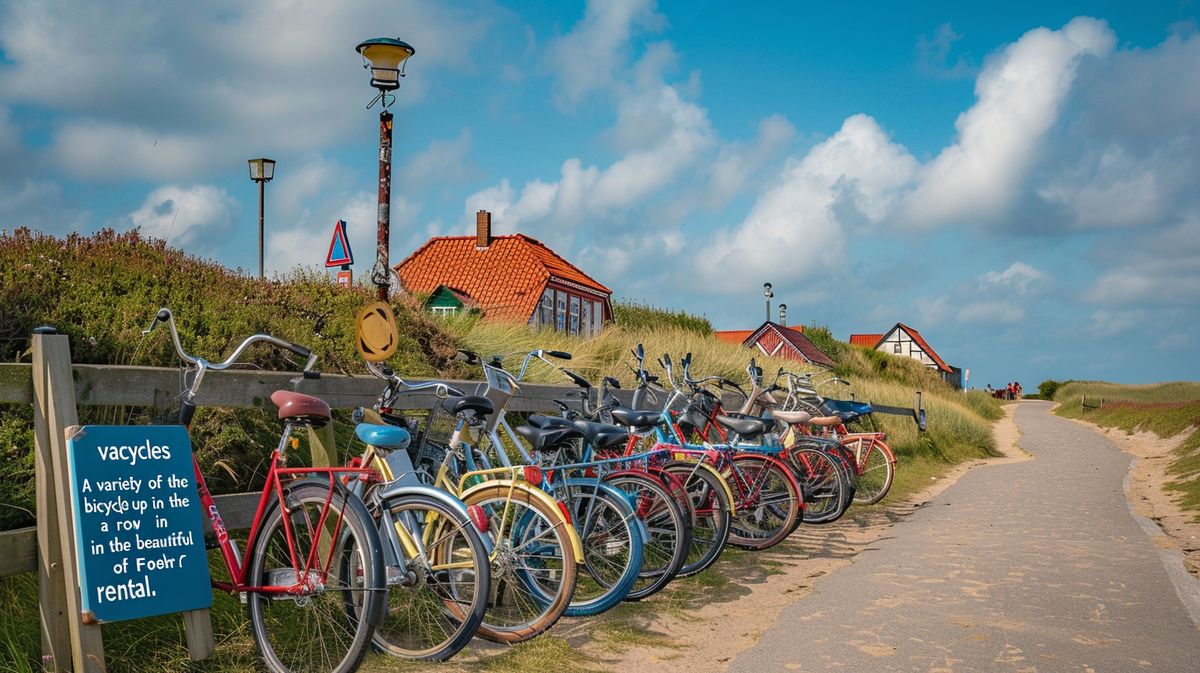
{"x":339,"y":247}
{"x":138,"y":532}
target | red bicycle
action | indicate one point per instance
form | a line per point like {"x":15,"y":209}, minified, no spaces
{"x":313,"y":575}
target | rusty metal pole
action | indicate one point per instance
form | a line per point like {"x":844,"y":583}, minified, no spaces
{"x":381,"y":275}
{"x":262,"y":184}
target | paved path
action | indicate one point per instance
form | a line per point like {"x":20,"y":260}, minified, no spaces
{"x":1030,"y":566}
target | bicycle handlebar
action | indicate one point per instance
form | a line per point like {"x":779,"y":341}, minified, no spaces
{"x":441,"y":390}
{"x":164,"y":315}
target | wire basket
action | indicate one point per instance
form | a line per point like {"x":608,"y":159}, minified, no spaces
{"x":434,"y":436}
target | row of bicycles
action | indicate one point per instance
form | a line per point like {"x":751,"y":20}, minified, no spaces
{"x":470,"y":520}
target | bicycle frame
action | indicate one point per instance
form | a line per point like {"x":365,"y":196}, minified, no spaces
{"x":274,"y":487}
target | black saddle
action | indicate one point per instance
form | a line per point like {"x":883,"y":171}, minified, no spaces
{"x":475,"y":406}
{"x":633,"y":418}
{"x":598,"y":435}
{"x":548,"y":438}
{"x":746,"y":427}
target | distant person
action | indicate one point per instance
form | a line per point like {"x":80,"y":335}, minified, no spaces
{"x":990,"y":390}
{"x":1017,"y":389}
{"x":1010,"y":391}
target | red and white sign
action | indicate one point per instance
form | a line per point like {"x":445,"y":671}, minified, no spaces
{"x":339,"y":248}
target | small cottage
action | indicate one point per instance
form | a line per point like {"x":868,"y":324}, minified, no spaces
{"x":514,"y":278}
{"x":779,"y":341}
{"x":905,"y":341}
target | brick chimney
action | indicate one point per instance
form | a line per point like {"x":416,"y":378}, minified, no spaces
{"x":483,"y":229}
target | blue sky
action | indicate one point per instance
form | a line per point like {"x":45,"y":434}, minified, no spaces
{"x":1020,"y":186}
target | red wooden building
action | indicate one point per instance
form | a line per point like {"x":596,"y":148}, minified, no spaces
{"x":779,"y":341}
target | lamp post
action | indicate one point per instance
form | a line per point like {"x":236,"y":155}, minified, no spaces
{"x":767,"y":293}
{"x":261,"y":171}
{"x":783,"y":314}
{"x":384,"y":57}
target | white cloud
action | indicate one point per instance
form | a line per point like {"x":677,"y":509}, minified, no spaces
{"x":793,"y":228}
{"x":1112,"y":189}
{"x":989,"y":312}
{"x":738,"y":163}
{"x":587,"y":193}
{"x":443,"y":161}
{"x":588,"y":58}
{"x":1020,"y":93}
{"x":306,"y":243}
{"x":40,"y":205}
{"x":1018,"y":277}
{"x":232,"y":79}
{"x":933,"y":55}
{"x":191,"y":217}
{"x":1108,"y":323}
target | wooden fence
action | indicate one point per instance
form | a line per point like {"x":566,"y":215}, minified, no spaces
{"x":55,"y":387}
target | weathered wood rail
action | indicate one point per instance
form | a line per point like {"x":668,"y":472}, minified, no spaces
{"x":113,"y":385}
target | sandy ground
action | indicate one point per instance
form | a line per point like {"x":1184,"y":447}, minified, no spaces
{"x":716,"y":631}
{"x":1147,"y":474}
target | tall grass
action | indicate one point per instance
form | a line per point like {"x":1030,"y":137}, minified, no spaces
{"x":1166,"y":409}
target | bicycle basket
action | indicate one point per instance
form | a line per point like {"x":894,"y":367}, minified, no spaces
{"x":435,"y":435}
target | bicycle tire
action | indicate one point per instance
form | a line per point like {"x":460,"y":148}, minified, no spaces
{"x":711,"y":512}
{"x":433,"y":610}
{"x":613,"y":548}
{"x":775,"y":505}
{"x":510,"y":585}
{"x":669,"y":531}
{"x":347,"y":604}
{"x":823,"y":484}
{"x":877,"y":469}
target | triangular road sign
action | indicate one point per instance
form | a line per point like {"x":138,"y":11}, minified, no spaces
{"x":339,"y":247}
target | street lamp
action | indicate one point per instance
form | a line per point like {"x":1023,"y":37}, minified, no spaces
{"x":261,"y":171}
{"x":767,"y":293}
{"x":783,"y":314}
{"x":385,"y":58}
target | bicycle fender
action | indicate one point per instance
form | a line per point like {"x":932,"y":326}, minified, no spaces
{"x":395,"y":491}
{"x":539,"y":494}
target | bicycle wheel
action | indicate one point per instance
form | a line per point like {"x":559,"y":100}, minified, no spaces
{"x":436,"y":599}
{"x":711,"y":511}
{"x":533,"y":566}
{"x":668,"y":527}
{"x":613,"y":547}
{"x":822,"y":483}
{"x":876,"y":470}
{"x":317,"y":619}
{"x":772,"y":503}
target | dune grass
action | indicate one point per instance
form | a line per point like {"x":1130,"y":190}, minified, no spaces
{"x":1166,"y":409}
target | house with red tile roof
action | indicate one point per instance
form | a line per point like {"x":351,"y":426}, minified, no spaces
{"x":514,"y":278}
{"x":779,"y":341}
{"x":905,"y":341}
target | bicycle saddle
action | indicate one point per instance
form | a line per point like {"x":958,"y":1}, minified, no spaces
{"x":746,"y":427}
{"x":300,"y":408}
{"x":598,"y":435}
{"x":786,"y":418}
{"x":633,"y":418}
{"x":477,"y":405}
{"x":383,"y":436}
{"x":545,"y":439}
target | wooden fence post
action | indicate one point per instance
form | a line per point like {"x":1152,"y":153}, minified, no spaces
{"x":52,"y":582}
{"x":54,"y":405}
